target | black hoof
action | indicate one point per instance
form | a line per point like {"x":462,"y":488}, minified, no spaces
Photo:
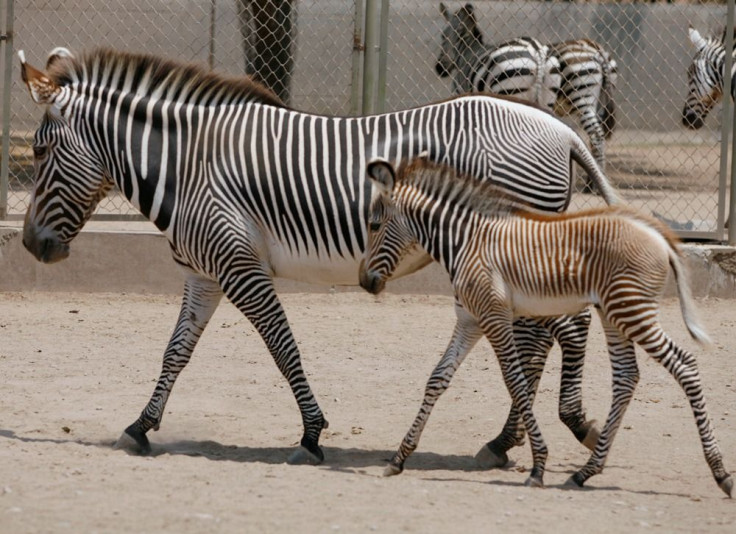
{"x":575,"y":481}
{"x":135,"y":440}
{"x":490,"y":457}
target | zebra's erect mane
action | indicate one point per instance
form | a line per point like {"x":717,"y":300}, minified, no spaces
{"x":485,"y":198}
{"x":145,"y":74}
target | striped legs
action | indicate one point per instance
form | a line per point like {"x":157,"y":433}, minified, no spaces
{"x":201,"y":297}
{"x":533,"y":343}
{"x":251,"y":290}
{"x":465,"y":336}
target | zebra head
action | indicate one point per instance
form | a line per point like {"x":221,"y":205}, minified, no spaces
{"x":389,"y":238}
{"x":705,"y":79}
{"x":459,"y":36}
{"x":69,"y":179}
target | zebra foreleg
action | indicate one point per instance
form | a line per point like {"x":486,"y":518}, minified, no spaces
{"x":201,"y":297}
{"x":464,"y":337}
{"x":252,"y":292}
{"x":533,"y":343}
{"x":625,"y":377}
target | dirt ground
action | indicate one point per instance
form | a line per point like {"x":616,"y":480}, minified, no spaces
{"x":78,"y":368}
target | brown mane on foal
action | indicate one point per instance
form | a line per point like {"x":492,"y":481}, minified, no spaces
{"x":489,"y":199}
{"x":163,"y":73}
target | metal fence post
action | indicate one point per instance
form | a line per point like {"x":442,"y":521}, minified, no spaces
{"x":370,"y":57}
{"x":358,"y":50}
{"x":7,"y":38}
{"x":728,"y":121}
{"x":382,"y":59}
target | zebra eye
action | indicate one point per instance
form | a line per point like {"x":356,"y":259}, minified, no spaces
{"x":374,"y":226}
{"x":39,"y":151}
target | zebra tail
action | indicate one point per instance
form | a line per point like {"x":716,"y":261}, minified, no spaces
{"x":687,"y":305}
{"x":582,"y":156}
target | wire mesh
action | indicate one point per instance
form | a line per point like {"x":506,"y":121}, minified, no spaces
{"x":657,"y":163}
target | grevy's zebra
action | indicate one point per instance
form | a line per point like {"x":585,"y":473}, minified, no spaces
{"x":521,"y":67}
{"x":575,"y":76}
{"x":246,"y":190}
{"x":705,"y":78}
{"x":504,"y":261}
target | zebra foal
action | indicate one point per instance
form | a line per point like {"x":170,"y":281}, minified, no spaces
{"x":504,"y":261}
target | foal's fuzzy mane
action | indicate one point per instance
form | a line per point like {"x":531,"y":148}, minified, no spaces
{"x":151,"y":73}
{"x":488,"y":199}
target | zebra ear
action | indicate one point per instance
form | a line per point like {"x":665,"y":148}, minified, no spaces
{"x":698,"y":41}
{"x":43,"y":90}
{"x":381,"y":173}
{"x":57,"y":53}
{"x":444,"y":11}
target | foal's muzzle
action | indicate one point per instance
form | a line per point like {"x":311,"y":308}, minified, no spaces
{"x":371,"y":281}
{"x":44,"y":246}
{"x":441,"y":70}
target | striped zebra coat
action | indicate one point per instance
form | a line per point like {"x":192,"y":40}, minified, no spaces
{"x":246,"y":190}
{"x":504,"y":261}
{"x":571,"y":77}
{"x":705,"y":78}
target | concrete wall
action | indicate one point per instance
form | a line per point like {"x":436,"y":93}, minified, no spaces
{"x":648,"y":40}
{"x":140,"y":262}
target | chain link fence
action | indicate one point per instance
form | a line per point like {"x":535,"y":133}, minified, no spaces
{"x":313,"y":53}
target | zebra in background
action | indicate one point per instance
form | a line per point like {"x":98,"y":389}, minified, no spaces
{"x":505,"y":261}
{"x":569,"y":77}
{"x":246,"y":190}
{"x":521,"y":67}
{"x":705,"y":78}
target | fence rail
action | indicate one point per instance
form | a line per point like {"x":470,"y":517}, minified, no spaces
{"x":347,"y":58}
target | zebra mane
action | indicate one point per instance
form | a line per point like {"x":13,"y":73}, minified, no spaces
{"x":445,"y":184}
{"x":147,"y":74}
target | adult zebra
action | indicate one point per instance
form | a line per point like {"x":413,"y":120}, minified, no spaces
{"x":575,"y":76}
{"x":705,"y":78}
{"x":246,"y":190}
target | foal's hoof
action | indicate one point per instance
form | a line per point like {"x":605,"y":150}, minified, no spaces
{"x":392,"y":469}
{"x":591,"y":438}
{"x":534,"y":482}
{"x":487,"y":459}
{"x":302,"y":456}
{"x":133,"y":441}
{"x":727,"y":485}
{"x":573,"y":482}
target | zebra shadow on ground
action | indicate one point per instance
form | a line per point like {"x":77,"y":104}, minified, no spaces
{"x":350,"y":461}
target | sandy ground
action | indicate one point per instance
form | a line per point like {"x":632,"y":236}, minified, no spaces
{"x":79,"y":368}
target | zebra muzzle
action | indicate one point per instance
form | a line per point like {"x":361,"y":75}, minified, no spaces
{"x":371,"y":281}
{"x":46,"y":249}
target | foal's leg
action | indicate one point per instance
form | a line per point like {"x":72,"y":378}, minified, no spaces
{"x":465,"y":336}
{"x":682,"y":366}
{"x":201,"y":297}
{"x":496,"y":322}
{"x":533,"y":343}
{"x":625,"y":377}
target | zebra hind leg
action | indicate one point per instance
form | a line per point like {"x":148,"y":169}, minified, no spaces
{"x":533,"y":343}
{"x":625,"y":377}
{"x":201,"y":297}
{"x":252,"y":292}
{"x":571,"y":332}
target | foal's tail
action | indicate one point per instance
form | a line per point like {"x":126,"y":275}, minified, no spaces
{"x":582,"y":156}
{"x":687,"y":306}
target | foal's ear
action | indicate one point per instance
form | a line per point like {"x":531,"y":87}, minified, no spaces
{"x":56,"y":54}
{"x":696,"y":39}
{"x":43,"y":89}
{"x":382,"y":174}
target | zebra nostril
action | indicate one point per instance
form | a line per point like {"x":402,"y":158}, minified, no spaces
{"x":691,"y":120}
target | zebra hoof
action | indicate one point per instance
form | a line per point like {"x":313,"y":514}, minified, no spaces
{"x":534,"y":482}
{"x":727,"y":485}
{"x":392,"y":469}
{"x":573,"y":482}
{"x":488,"y":459}
{"x":591,"y":438}
{"x":302,"y":456}
{"x":133,"y":441}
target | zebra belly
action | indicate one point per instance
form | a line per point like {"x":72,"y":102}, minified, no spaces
{"x":525,"y":305}
{"x":313,"y":268}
